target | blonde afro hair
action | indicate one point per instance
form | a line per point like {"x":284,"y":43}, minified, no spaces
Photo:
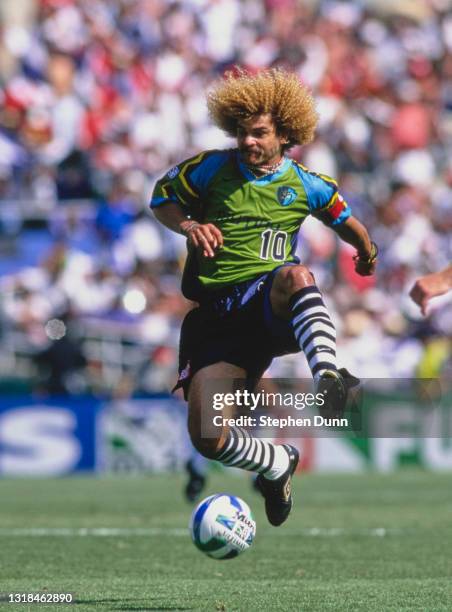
{"x":240,"y":95}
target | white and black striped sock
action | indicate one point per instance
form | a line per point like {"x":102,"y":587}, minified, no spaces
{"x":253,"y":454}
{"x":314,"y":330}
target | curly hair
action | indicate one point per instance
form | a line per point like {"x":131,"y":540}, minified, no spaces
{"x":240,"y":95}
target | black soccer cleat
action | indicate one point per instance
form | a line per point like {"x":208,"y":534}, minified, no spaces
{"x":195,"y":483}
{"x":278,"y":493}
{"x":334,"y":386}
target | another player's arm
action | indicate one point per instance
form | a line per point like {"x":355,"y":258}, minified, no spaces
{"x":430,"y":286}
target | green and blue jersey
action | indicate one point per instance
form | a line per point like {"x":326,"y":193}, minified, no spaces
{"x":259,"y":217}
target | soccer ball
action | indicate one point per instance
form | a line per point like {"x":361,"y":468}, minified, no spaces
{"x":222,"y":526}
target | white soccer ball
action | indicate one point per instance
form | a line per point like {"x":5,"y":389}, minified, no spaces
{"x":222,"y":526}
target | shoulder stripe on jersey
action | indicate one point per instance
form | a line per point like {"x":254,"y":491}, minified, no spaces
{"x":325,"y":177}
{"x":185,"y":179}
{"x":327,"y":203}
{"x":170,"y":193}
{"x":201,"y":175}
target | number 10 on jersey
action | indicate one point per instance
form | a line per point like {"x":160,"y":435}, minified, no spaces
{"x":273,"y":245}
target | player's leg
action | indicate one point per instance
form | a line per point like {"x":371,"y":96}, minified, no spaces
{"x":205,"y":436}
{"x":235,"y":447}
{"x":196,"y":468}
{"x":294,"y":296}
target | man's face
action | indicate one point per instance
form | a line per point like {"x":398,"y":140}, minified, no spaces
{"x":258,"y":141}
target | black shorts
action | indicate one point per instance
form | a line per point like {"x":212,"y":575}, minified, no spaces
{"x":237,"y":326}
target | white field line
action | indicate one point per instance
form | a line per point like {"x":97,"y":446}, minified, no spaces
{"x":125,"y":532}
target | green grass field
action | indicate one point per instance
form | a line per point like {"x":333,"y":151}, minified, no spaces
{"x":371,"y":543}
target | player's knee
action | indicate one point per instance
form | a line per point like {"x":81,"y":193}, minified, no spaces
{"x":297,"y":277}
{"x":208,"y":447}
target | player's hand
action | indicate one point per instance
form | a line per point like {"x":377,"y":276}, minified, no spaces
{"x":430,"y":286}
{"x":421,"y":295}
{"x":206,"y":237}
{"x":365,"y":266}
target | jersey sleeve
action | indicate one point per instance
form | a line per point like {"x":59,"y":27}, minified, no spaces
{"x":324,"y":200}
{"x":186,"y":183}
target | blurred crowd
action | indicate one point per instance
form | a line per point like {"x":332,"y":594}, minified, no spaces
{"x":99,"y":98}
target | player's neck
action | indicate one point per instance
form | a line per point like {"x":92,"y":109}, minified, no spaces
{"x":267,"y":168}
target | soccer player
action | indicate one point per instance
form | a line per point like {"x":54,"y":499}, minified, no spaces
{"x":241,"y":210}
{"x":430,"y":286}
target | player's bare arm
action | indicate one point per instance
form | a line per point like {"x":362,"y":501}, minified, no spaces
{"x":206,"y":237}
{"x":353,"y":232}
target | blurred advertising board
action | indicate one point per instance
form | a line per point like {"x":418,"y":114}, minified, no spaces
{"x":61,"y":436}
{"x":47,"y":437}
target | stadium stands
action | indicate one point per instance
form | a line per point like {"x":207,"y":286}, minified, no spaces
{"x":100,"y":98}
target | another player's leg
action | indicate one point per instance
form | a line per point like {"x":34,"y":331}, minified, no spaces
{"x":295,"y":296}
{"x":196,"y":468}
{"x":235,"y":447}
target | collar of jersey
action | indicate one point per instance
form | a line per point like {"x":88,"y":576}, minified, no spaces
{"x":266,"y":178}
